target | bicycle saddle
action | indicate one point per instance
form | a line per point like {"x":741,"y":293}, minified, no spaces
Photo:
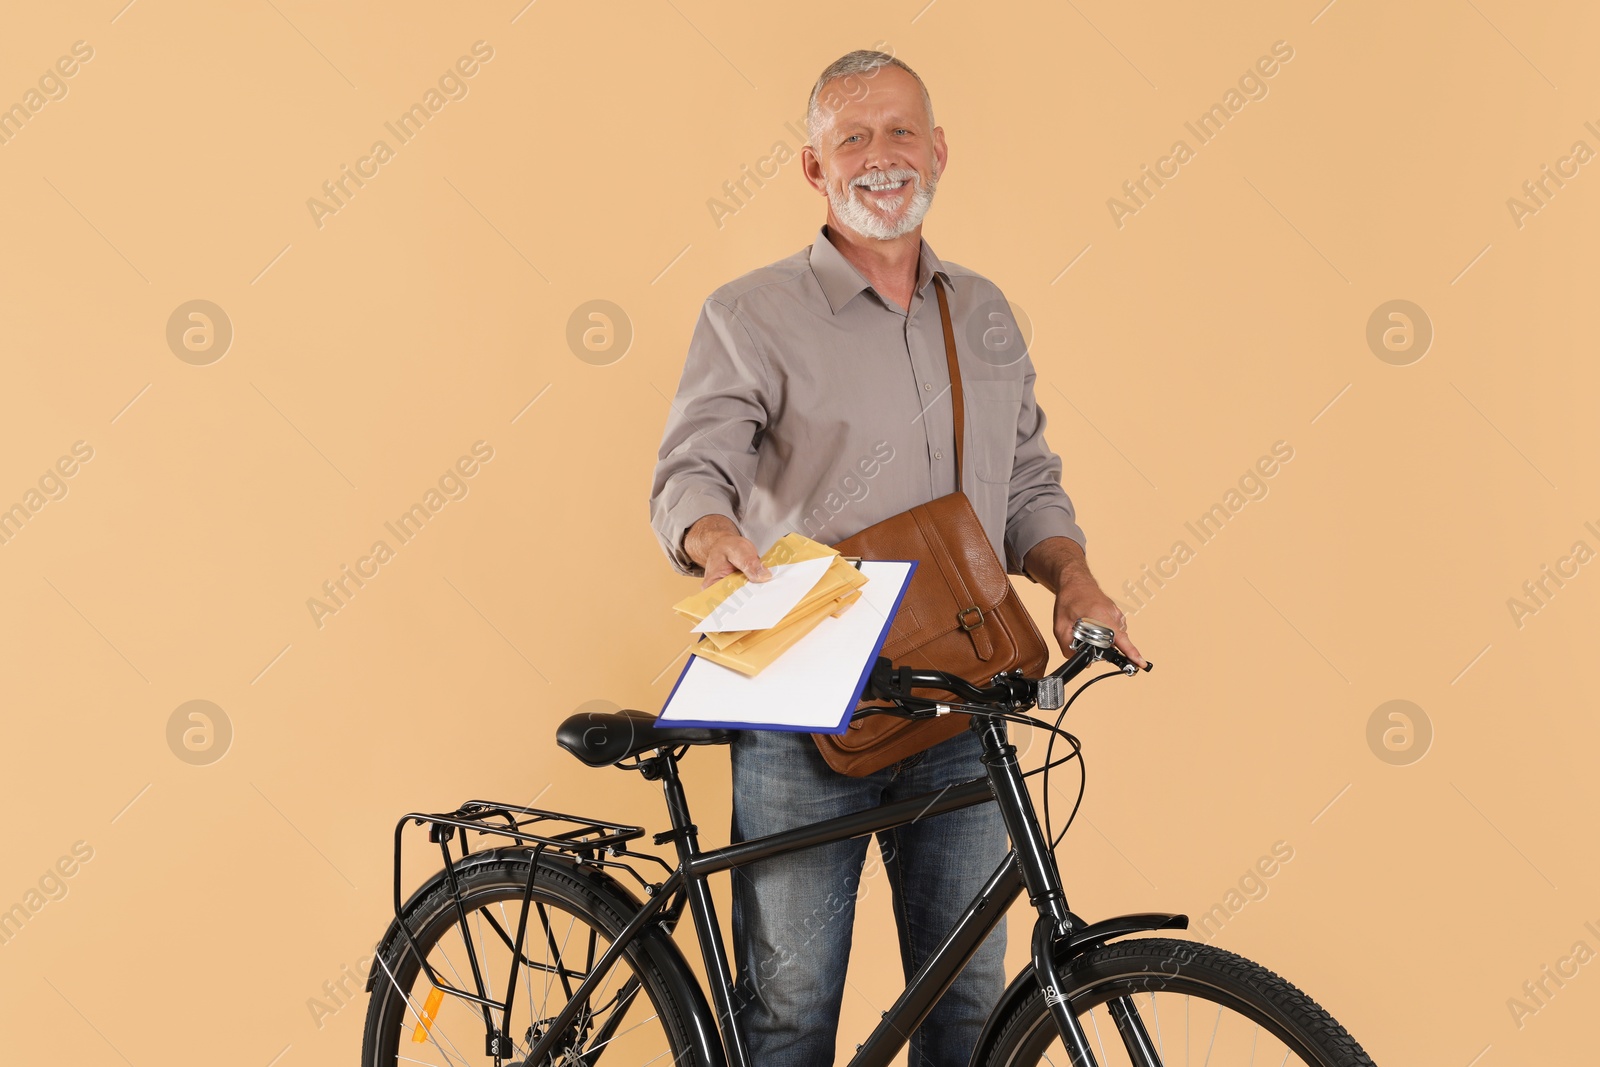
{"x":601,"y":738}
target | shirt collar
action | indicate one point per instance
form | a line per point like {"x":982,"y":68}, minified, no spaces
{"x":841,"y":281}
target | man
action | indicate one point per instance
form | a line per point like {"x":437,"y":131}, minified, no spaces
{"x":816,"y":397}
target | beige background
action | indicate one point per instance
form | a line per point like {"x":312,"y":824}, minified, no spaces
{"x":429,"y":312}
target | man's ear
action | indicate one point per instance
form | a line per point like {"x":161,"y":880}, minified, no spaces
{"x":811,"y":166}
{"x":941,"y":151}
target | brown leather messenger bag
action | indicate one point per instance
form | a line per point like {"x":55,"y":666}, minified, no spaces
{"x":960,"y":613}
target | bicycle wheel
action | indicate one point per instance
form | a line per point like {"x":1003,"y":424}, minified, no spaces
{"x":631,"y":1018}
{"x":1196,"y":1004}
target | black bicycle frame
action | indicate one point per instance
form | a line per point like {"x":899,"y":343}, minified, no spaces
{"x":1029,"y":865}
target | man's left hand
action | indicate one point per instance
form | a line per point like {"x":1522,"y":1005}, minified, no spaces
{"x":1082,"y":598}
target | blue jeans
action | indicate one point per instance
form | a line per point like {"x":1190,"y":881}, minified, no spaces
{"x":792,"y":914}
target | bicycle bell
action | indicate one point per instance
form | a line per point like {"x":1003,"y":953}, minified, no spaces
{"x":1089,"y":632}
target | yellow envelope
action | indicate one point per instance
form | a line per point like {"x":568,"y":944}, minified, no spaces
{"x":836,"y":581}
{"x":790,"y":548}
{"x":842,"y":586}
{"x":773,"y":642}
{"x":749,"y":651}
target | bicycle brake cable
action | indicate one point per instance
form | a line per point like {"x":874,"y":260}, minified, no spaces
{"x":1083,"y":780}
{"x":1055,"y":731}
{"x":1077,"y":752}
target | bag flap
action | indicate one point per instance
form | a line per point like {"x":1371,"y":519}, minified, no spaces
{"x":869,"y":732}
{"x":956,"y":568}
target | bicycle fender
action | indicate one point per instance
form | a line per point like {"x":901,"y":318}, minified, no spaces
{"x":1086,"y":939}
{"x":656,"y":945}
{"x":1096,"y":934}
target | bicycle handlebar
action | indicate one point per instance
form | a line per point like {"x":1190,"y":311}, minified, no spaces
{"x":1009,"y":691}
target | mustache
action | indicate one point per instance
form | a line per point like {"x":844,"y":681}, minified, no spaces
{"x":901,"y":174}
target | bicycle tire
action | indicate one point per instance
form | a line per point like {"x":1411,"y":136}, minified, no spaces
{"x":501,"y":879}
{"x":1194,"y":971}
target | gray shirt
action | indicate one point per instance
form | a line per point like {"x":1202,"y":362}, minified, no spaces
{"x":810,"y":402}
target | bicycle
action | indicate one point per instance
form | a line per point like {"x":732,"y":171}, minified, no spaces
{"x":596,"y":945}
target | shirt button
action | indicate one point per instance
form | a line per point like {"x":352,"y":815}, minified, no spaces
{"x":927,"y":387}
{"x":938,"y":455}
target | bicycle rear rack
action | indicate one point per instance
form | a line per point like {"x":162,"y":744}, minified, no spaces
{"x":585,"y":839}
{"x":568,"y":833}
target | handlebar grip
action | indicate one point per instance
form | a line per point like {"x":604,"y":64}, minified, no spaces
{"x":1120,"y":660}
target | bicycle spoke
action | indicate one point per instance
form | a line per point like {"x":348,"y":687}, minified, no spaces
{"x":552,"y":970}
{"x":488,"y":986}
{"x":516,"y":956}
{"x":413,"y":1009}
{"x":1160,"y":1045}
{"x":601,"y":1001}
{"x":460,"y":982}
{"x":448,"y":1061}
{"x":1094,"y":1023}
{"x":1124,"y":1011}
{"x":550,"y":937}
{"x":505,"y":938}
{"x":527,"y":974}
{"x":603,"y":1004}
{"x":1231,"y":1046}
{"x":613,"y":1037}
{"x":429,"y":1031}
{"x":610,"y":1024}
{"x":475,"y":1012}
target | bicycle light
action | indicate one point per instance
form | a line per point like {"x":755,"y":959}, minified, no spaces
{"x":1052,"y":693}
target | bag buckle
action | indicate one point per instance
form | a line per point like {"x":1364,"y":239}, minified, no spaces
{"x":961,"y":618}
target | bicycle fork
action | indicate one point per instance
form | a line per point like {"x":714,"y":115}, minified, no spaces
{"x":1056,"y":920}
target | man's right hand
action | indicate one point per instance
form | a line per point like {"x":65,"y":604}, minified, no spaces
{"x":715,"y":543}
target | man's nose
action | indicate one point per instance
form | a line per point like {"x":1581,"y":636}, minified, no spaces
{"x":883,"y":161}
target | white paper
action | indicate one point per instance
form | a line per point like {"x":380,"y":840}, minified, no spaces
{"x":812,"y":684}
{"x":758,"y":605}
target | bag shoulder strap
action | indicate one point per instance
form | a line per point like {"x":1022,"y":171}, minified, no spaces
{"x":956,"y":407}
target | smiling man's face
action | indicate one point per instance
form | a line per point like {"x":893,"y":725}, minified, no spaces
{"x":878,"y":157}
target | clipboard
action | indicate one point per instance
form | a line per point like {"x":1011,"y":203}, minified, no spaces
{"x":814,"y":686}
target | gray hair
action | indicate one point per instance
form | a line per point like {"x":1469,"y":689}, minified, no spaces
{"x":863,"y":61}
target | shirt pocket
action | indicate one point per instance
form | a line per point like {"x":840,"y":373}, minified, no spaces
{"x":993,"y":407}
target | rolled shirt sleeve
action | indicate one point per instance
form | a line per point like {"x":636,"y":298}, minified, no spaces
{"x":1038,"y":507}
{"x":707,"y":461}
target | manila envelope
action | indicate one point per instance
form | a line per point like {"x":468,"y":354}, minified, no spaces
{"x":839,"y":579}
{"x":790,"y":548}
{"x":766,"y":645}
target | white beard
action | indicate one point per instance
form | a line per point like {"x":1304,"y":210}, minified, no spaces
{"x":851,"y":210}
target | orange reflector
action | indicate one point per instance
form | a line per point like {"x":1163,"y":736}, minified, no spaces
{"x":425,"y":1026}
